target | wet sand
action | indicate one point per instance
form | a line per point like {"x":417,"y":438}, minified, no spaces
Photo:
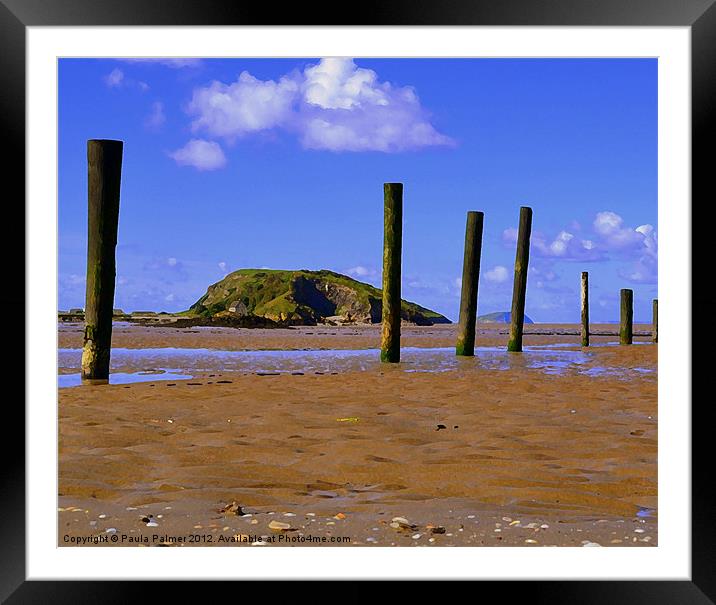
{"x":476,"y":457}
{"x":134,"y":336}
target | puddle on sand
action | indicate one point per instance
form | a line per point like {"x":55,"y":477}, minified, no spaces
{"x":614,"y":371}
{"x":75,"y":380}
{"x":413,"y":359}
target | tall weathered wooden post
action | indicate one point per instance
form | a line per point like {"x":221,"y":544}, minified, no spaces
{"x":470,"y":278}
{"x":626,"y":319}
{"x":392,"y":245}
{"x":655,"y":320}
{"x":585,"y":309}
{"x":519,"y":288}
{"x":104,"y":168}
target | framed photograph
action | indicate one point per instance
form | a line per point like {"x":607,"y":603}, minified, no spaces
{"x":359,"y":301}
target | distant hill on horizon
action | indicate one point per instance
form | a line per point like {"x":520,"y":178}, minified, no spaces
{"x":302,"y":297}
{"x":500,"y":317}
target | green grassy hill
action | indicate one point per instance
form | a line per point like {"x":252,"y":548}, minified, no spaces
{"x":301,"y":298}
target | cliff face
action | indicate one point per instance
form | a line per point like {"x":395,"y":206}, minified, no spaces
{"x":301,"y":298}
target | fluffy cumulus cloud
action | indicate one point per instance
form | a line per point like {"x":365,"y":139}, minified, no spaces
{"x":245,"y":106}
{"x":636,"y":244}
{"x":610,"y":239}
{"x":333,"y":105}
{"x":564,"y":246}
{"x":201,"y":154}
{"x":497,"y":274}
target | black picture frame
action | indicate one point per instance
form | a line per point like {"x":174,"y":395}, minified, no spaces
{"x":700,"y":15}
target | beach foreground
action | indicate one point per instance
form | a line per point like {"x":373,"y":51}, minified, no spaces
{"x":467,"y":456}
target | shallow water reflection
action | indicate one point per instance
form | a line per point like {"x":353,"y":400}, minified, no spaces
{"x":549,"y":360}
{"x":75,"y":380}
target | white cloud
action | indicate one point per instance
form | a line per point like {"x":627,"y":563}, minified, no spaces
{"x":171,"y":261}
{"x":201,"y":154}
{"x":247,"y":105}
{"x":643,"y":271}
{"x":115,"y":78}
{"x":564,"y":246}
{"x":610,"y":240}
{"x":606,"y":223}
{"x":361,"y":271}
{"x":333,"y":105}
{"x":638,"y":244}
{"x":509,"y":235}
{"x":559,"y":246}
{"x":497,"y":274}
{"x":156,"y":118}
{"x":222,"y":266}
{"x":175,"y":63}
{"x":338,"y":84}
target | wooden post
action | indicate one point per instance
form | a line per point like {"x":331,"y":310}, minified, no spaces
{"x":626,"y":330}
{"x":655,"y":320}
{"x":519,"y":287}
{"x":470,"y":277}
{"x":585,"y":309}
{"x":392,"y":245}
{"x":104,"y":168}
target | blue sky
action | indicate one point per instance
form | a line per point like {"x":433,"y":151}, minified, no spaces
{"x":233,"y":163}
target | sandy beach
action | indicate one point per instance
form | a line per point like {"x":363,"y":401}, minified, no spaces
{"x":557,"y":450}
